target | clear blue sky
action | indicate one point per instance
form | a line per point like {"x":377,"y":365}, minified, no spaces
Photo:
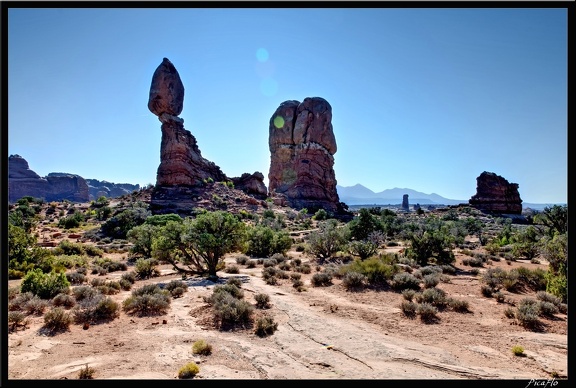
{"x":422,"y":98}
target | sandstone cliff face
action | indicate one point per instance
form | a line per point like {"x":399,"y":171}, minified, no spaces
{"x":302,"y":147}
{"x":107,"y":189}
{"x":55,"y":187}
{"x":181,"y":162}
{"x":496,"y":195}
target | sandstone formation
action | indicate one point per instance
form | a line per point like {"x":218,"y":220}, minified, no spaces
{"x":405,"y":204}
{"x":302,"y":147}
{"x":181,"y":162}
{"x":252,"y":184}
{"x":495,"y":195}
{"x":107,"y":189}
{"x":55,"y":187}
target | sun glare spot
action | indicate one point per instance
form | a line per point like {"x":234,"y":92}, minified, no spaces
{"x":268,"y":87}
{"x":278,"y":121}
{"x":262,"y":54}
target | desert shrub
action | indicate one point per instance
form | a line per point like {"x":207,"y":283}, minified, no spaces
{"x":269,"y":272}
{"x":84,"y":292}
{"x":118,"y":225}
{"x":147,"y":300}
{"x":303,"y":268}
{"x":233,"y":269}
{"x":547,"y":297}
{"x":534,"y":279}
{"x":86,"y":373}
{"x":509,"y":312}
{"x":45,"y":286}
{"x":188,"y":371}
{"x":285,"y":266}
{"x":176,"y":288}
{"x":262,"y":301}
{"x":16,"y":319}
{"x":427,"y":311}
{"x":71,"y":221}
{"x":431,"y":280}
{"x":432,"y":269}
{"x":201,"y":347}
{"x":230,"y":309}
{"x":64,"y":300}
{"x":93,"y":251}
{"x":527,"y":313}
{"x":320,"y":279}
{"x":57,"y":319}
{"x":242,"y":259}
{"x":409,"y":308}
{"x":518,"y":350}
{"x":110,"y":265}
{"x":487,"y":291}
{"x":234,"y":281}
{"x":281,"y":274}
{"x":129,"y":276}
{"x":297,"y":283}
{"x":352,"y":280}
{"x":547,"y":308}
{"x":229,"y":288}
{"x":408,"y":294}
{"x":458,"y":305}
{"x":499,"y":296}
{"x":96,"y":282}
{"x":76,"y":277}
{"x":405,"y":280}
{"x":263,"y":241}
{"x":435,"y":296}
{"x":265,"y":325}
{"x":146,"y":268}
{"x":295,"y":276}
{"x":378,"y":270}
{"x":279,"y":257}
{"x":95,"y":308}
{"x":271,"y":280}
{"x":36,"y":306}
{"x":251,"y":264}
{"x":270,"y":263}
{"x":18,"y":301}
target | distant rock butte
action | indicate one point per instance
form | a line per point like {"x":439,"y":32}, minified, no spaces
{"x":56,"y":186}
{"x":302,"y":147}
{"x":496,"y":195}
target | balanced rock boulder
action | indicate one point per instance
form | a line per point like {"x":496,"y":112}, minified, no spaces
{"x":302,"y":147}
{"x":181,"y":162}
{"x":495,"y":195}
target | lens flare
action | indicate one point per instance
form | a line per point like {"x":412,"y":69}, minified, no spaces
{"x":278,"y":121}
{"x":262,"y":55}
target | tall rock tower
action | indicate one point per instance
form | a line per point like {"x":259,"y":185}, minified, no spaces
{"x":181,"y":162}
{"x":302,"y":147}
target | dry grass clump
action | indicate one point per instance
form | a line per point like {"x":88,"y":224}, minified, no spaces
{"x":201,"y":347}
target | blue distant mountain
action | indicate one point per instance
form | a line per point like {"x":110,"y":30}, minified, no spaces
{"x":361,"y":195}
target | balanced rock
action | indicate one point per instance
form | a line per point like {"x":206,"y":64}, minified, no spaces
{"x":495,"y":195}
{"x":302,"y":147}
{"x":181,"y":162}
{"x":166,"y":91}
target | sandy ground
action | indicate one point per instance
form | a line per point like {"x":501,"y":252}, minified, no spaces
{"x":323,"y":333}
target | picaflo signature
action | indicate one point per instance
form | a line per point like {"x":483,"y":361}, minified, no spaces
{"x":542,"y":383}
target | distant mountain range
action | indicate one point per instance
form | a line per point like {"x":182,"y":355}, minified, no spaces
{"x":361,"y":195}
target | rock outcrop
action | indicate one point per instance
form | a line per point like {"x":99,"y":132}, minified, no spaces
{"x":181,"y":162}
{"x":55,"y":187}
{"x":252,"y":184}
{"x":107,"y":189}
{"x":302,"y":147}
{"x":495,"y":195}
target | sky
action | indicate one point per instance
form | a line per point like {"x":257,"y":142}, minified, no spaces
{"x":422,"y":98}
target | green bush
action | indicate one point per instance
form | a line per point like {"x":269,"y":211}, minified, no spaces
{"x":188,"y":371}
{"x":527,"y":313}
{"x":377,"y":270}
{"x":263,"y":241}
{"x":146,"y":268}
{"x":45,"y":286}
{"x":147,"y":300}
{"x":265,"y":325}
{"x":320,"y":279}
{"x":201,"y":347}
